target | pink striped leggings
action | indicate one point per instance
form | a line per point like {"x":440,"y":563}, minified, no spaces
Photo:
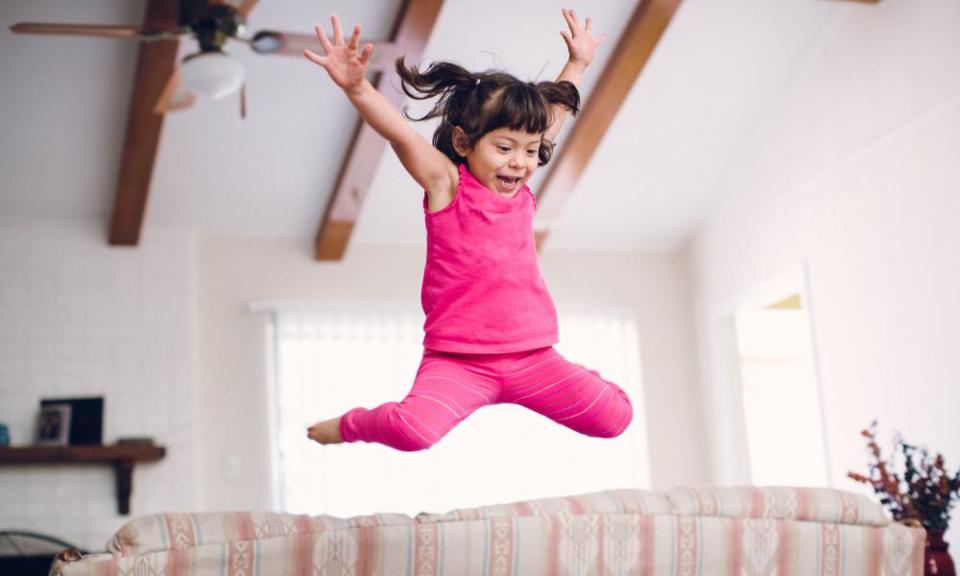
{"x":450,"y":387}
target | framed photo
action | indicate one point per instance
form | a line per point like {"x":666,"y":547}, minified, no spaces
{"x":53,"y":426}
{"x":86,"y":418}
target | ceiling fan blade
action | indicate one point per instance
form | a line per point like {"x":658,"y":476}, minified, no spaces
{"x":175,"y":95}
{"x":272,"y":42}
{"x":242,"y":7}
{"x":245,"y":7}
{"x":103,"y":30}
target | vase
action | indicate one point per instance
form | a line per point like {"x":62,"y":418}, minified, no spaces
{"x":936,"y":559}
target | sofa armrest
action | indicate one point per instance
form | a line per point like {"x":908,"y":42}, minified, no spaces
{"x":176,"y":531}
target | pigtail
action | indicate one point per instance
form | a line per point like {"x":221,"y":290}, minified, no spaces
{"x":439,"y":79}
{"x":460,"y":100}
{"x":562,"y":93}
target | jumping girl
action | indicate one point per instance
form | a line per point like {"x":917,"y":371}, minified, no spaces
{"x":490,"y":322}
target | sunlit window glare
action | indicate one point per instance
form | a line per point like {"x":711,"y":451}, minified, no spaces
{"x":329,"y":362}
{"x":781,"y":399}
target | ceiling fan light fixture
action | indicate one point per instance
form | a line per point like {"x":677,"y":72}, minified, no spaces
{"x":212,"y":74}
{"x":266,"y":42}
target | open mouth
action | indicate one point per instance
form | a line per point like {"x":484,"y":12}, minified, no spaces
{"x":508,"y":182}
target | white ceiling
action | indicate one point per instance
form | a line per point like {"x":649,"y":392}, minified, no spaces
{"x":720,"y":65}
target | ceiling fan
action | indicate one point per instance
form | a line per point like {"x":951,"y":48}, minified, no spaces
{"x":209,"y":71}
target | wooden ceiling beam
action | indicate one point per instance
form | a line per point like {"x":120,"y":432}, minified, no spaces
{"x":155,"y":64}
{"x":638,"y":41}
{"x":412,"y":30}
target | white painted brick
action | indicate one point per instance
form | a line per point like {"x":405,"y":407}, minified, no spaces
{"x":80,"y":318}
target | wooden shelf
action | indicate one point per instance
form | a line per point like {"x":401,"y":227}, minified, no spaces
{"x":123,"y":457}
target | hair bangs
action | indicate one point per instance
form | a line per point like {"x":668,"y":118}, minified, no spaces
{"x":517,"y":106}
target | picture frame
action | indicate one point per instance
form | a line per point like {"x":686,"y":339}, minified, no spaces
{"x":86,"y":419}
{"x":53,"y":425}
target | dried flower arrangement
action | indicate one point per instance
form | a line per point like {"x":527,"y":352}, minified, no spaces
{"x":926,"y":491}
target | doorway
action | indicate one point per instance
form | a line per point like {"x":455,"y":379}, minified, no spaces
{"x":781,"y":393}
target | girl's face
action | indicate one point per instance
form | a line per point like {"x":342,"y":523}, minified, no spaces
{"x":503,"y":159}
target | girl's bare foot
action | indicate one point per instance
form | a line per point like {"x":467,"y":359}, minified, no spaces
{"x":326,"y":432}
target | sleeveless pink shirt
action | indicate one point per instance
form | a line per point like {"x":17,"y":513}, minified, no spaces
{"x":482,"y":288}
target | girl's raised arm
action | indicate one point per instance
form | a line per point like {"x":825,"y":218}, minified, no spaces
{"x":346,"y":64}
{"x":581,"y":46}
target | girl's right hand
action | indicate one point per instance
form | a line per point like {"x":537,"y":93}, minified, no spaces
{"x":346,"y":66}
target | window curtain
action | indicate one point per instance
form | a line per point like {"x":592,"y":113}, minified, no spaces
{"x":327,"y":362}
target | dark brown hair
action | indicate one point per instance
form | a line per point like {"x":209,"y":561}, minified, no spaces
{"x":481,"y":102}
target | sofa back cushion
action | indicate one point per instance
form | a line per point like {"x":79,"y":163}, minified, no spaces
{"x":625,"y":501}
{"x":783,"y":503}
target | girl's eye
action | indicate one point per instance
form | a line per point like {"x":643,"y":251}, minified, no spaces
{"x":531,"y":152}
{"x":503,"y":148}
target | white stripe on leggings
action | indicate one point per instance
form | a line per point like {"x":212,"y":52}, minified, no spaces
{"x":602,"y":392}
{"x":440,"y":402}
{"x":415,"y":431}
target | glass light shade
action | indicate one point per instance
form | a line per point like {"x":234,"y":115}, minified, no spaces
{"x":212,"y":74}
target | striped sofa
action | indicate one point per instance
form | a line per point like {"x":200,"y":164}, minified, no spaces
{"x":723,"y":531}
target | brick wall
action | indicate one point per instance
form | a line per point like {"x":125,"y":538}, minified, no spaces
{"x":78,"y":318}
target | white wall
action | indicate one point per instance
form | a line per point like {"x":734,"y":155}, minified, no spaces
{"x":79,"y":319}
{"x":656,"y":288}
{"x":857,"y":175}
{"x":235,"y":272}
{"x":163,"y":331}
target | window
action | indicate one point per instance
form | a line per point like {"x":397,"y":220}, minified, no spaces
{"x":326,"y":362}
{"x":781,"y":399}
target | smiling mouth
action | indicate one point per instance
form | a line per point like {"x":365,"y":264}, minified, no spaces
{"x":508,"y":180}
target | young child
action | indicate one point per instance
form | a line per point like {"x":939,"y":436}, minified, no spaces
{"x":490,"y":322}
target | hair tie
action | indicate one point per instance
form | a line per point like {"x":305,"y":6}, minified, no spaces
{"x":476,"y":82}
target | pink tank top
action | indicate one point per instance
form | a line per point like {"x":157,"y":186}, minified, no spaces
{"x":482,"y":288}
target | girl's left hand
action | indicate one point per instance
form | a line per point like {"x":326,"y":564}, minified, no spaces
{"x":581,"y":43}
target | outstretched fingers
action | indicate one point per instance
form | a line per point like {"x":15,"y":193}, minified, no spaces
{"x":579,"y":36}
{"x":365,"y":54}
{"x":324,"y":43}
{"x":354,"y":42}
{"x":571,"y":17}
{"x":315,"y":58}
{"x":337,"y":32}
